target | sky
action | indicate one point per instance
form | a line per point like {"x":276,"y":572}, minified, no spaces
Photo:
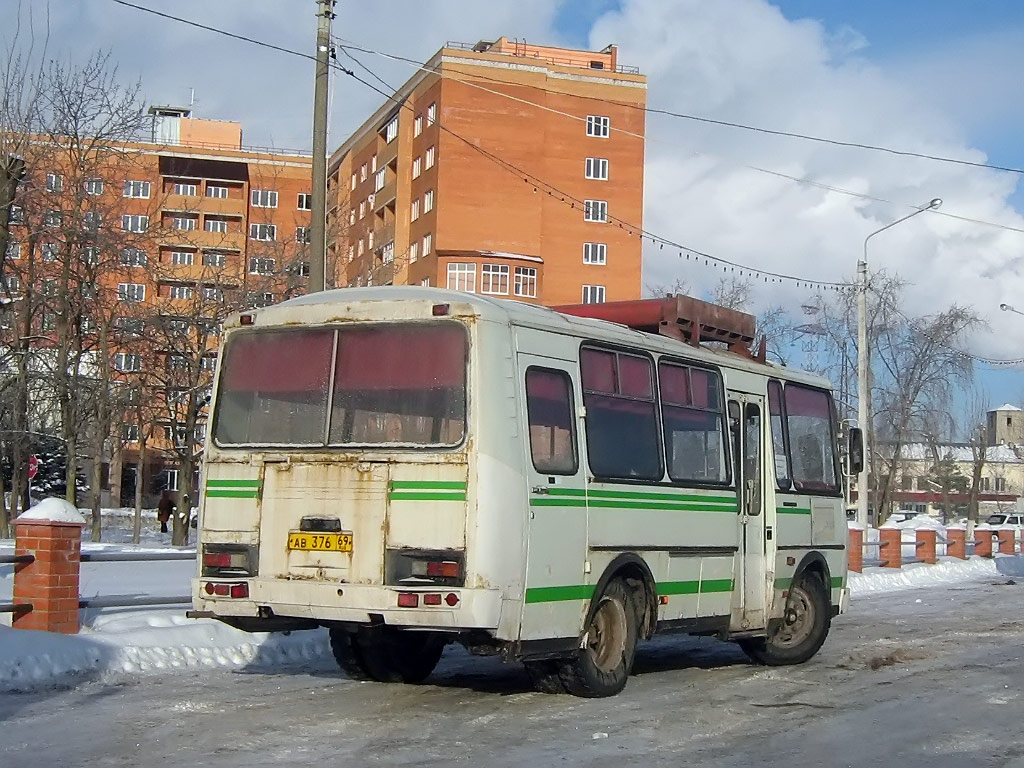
{"x":939,"y":77}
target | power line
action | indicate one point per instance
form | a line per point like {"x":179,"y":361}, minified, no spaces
{"x":727,"y":123}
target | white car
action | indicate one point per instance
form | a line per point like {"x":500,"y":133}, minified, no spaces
{"x":1000,"y":521}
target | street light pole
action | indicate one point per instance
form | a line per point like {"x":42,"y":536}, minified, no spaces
{"x":864,"y":364}
{"x":1010,"y":308}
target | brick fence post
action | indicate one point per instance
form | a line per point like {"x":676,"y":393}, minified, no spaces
{"x":855,"y":550}
{"x":926,"y":549}
{"x":891,"y":547}
{"x":983,"y":542}
{"x":51,"y":531}
{"x":956,"y":543}
{"x":1007,"y":541}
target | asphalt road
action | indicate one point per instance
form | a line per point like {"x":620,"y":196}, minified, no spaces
{"x":918,"y":678}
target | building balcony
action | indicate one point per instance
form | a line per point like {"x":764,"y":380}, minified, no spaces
{"x":385,"y":195}
{"x":387,"y":154}
{"x":384,"y":234}
{"x":198,"y":238}
{"x":383,"y":274}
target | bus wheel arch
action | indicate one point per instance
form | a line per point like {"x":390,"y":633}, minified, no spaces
{"x":635,"y":572}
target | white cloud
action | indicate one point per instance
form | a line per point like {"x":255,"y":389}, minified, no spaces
{"x":742,"y":61}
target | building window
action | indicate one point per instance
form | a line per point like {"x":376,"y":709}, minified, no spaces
{"x":598,"y":125}
{"x":414,"y":210}
{"x":17,"y":215}
{"x":414,"y":251}
{"x":302,"y":234}
{"x":595,"y":253}
{"x":54,"y":182}
{"x":88,"y":324}
{"x":216,"y":225}
{"x":354,"y":181}
{"x":131,"y":292}
{"x":428,"y":244}
{"x":181,"y":292}
{"x":1000,"y":484}
{"x":53,"y":218}
{"x":92,"y":220}
{"x":362,"y":209}
{"x":183,"y":258}
{"x":428,"y":201}
{"x":305,"y":202}
{"x":363,"y":171}
{"x":387,"y":253}
{"x":93,"y":186}
{"x":136,"y":189}
{"x":184,"y":223}
{"x":525,"y":282}
{"x":494,"y":279}
{"x":984,"y":484}
{"x":214,"y":259}
{"x":462,"y":277}
{"x":13,"y":250}
{"x":220,"y":193}
{"x":593,"y":294}
{"x":425,"y":282}
{"x":596,"y":168}
{"x":48,"y":287}
{"x":432,"y":114}
{"x":428,"y":159}
{"x":417,"y":126}
{"x":373,"y":164}
{"x":361,"y":247}
{"x":127,"y":363}
{"x":351,"y":252}
{"x":369,"y":239}
{"x":264,"y":232}
{"x":129,"y":326}
{"x":91,"y":255}
{"x":130,"y":433}
{"x":208,"y":363}
{"x":261,"y":266}
{"x":185,"y":188}
{"x":391,"y":130}
{"x":88,"y":291}
{"x":213,"y":294}
{"x":595,"y":210}
{"x":134,"y":222}
{"x":417,"y":167}
{"x":263,"y":198}
{"x":50,"y":251}
{"x":379,"y":179}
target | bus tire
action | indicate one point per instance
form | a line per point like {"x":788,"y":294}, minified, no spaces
{"x":387,"y":655}
{"x":545,"y":675}
{"x":802,"y":630}
{"x":602,"y":667}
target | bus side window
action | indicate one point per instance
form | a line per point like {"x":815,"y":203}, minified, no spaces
{"x":693,"y":423}
{"x":549,"y":408}
{"x":809,"y":426}
{"x":783,"y":478}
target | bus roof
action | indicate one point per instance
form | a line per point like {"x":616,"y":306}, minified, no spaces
{"x":511,"y":312}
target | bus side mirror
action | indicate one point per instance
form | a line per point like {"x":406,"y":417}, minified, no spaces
{"x":855,"y":451}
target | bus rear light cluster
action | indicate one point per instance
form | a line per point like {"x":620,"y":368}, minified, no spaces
{"x":446,"y":569}
{"x":412,"y":599}
{"x":228,"y":561}
{"x":223,"y":589}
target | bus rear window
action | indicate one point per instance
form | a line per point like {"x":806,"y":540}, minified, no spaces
{"x":400,"y":384}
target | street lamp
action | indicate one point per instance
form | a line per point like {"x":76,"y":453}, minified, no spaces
{"x":1009,"y":308}
{"x":864,"y":364}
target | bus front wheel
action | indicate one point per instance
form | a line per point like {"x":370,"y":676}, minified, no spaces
{"x":804,"y":626}
{"x":386,"y":654}
{"x":602,"y":666}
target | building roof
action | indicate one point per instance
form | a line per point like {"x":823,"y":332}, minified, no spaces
{"x":995,"y":454}
{"x":1006,"y":407}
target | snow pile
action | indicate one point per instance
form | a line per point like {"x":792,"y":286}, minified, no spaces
{"x":54,"y":510}
{"x":915,"y":575}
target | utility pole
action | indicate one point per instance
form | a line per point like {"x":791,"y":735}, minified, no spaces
{"x":318,"y":225}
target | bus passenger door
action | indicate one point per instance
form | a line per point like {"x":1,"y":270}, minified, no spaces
{"x":557,"y":526}
{"x":746,"y":419}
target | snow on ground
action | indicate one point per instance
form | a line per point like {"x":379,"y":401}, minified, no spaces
{"x":155,"y":641}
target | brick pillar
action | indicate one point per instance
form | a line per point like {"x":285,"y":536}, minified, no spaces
{"x":890,"y":550}
{"x":1007,"y":541}
{"x":983,"y":543}
{"x":956,"y":543}
{"x":926,"y":546}
{"x":855,"y":550}
{"x":49,"y":532}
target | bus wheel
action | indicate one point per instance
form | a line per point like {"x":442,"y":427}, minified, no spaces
{"x":387,"y":655}
{"x":545,"y":676}
{"x":803,"y":629}
{"x":602,"y":667}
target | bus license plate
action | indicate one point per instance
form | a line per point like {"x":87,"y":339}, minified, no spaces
{"x":320,"y":542}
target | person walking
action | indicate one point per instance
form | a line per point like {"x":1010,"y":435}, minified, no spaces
{"x":164,"y":508}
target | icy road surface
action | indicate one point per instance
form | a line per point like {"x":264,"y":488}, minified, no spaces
{"x":917,"y":678}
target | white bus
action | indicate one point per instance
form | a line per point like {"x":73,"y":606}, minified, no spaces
{"x":412,"y":467}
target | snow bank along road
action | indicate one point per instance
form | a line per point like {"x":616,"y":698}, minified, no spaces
{"x":923,"y":677}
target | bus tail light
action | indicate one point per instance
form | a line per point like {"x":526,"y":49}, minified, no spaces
{"x":425,"y":567}
{"x":229,"y":560}
{"x":223,"y":589}
{"x":432,"y":598}
{"x":408,"y":600}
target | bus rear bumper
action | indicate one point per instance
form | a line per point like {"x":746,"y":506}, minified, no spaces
{"x":460,"y":608}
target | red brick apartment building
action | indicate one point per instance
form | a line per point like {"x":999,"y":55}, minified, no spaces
{"x":500,"y":168}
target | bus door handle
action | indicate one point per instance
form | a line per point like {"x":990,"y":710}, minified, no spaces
{"x":541,"y":489}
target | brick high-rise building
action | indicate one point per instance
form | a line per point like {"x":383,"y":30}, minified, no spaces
{"x":502,"y":168}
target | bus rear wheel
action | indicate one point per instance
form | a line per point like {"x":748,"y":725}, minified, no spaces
{"x":386,"y":654}
{"x":602,"y":667}
{"x":803,"y":629}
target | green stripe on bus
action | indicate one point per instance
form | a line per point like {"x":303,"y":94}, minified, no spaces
{"x":586,"y":591}
{"x":233,"y":483}
{"x":453,"y":485}
{"x":229,"y":493}
{"x":793,"y":510}
{"x":427,"y":496}
{"x":624,"y":504}
{"x":598,"y":494}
